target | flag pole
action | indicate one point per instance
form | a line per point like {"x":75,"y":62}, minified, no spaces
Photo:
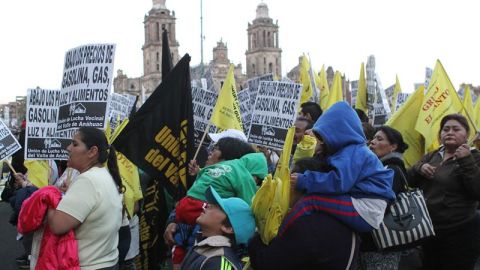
{"x":10,"y":165}
{"x":201,"y":141}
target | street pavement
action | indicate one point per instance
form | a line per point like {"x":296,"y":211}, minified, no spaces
{"x":10,"y":248}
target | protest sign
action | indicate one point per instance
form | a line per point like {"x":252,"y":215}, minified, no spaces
{"x":253,"y":84}
{"x":119,"y":108}
{"x":274,"y":113}
{"x":8,"y":144}
{"x":203,"y":103}
{"x":42,"y":141}
{"x":245,"y":108}
{"x":87,"y":76}
{"x":401,"y":98}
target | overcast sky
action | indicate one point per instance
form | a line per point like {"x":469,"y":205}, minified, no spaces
{"x":405,"y":36}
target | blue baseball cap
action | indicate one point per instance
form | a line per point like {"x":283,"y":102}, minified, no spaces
{"x":238,"y":212}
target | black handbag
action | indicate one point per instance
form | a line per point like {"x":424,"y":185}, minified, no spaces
{"x":8,"y":190}
{"x":406,"y":222}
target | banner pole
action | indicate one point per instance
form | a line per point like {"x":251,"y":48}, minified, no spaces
{"x":201,"y":142}
{"x":10,"y":165}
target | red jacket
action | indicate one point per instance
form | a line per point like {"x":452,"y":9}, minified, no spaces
{"x":56,"y":252}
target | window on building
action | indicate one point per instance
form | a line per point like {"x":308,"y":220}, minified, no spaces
{"x":268,"y":40}
{"x":158,"y":67}
{"x":264,"y":61}
{"x":253,"y":70}
{"x":254,"y":40}
{"x":270,"y":67}
{"x":132,"y":86}
{"x":158,"y":56}
{"x":157,"y":31}
{"x":264,"y":39}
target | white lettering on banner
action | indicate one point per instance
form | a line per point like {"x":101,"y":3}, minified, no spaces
{"x":42,"y":141}
{"x":87,"y":77}
{"x":8,"y":144}
{"x":274,"y":113}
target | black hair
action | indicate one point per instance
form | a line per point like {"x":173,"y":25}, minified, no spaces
{"x":311,"y":164}
{"x":233,"y":148}
{"x":312,"y":108}
{"x":394,"y":137}
{"x":91,"y":136}
{"x":457,"y":117}
{"x":368,"y":130}
{"x":362,"y":115}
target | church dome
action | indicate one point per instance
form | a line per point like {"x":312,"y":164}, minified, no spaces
{"x":262,"y":11}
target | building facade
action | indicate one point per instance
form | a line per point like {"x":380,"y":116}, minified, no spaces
{"x":157,"y":19}
{"x":263,"y":54}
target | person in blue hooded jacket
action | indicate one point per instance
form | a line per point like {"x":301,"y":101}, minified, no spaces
{"x":358,"y":188}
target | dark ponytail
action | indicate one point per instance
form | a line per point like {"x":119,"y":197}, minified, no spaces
{"x":106,"y":153}
{"x":113,"y":169}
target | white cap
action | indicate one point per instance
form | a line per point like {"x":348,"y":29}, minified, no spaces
{"x":232,"y":133}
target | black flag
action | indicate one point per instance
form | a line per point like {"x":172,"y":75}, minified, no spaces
{"x":159,"y":140}
{"x":167,"y":64}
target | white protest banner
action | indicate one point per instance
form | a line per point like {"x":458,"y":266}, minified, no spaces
{"x":119,"y":108}
{"x":8,"y":144}
{"x":245,"y":108}
{"x":274,"y":113}
{"x":253,"y":84}
{"x":87,"y":76}
{"x":203,"y":103}
{"x":41,"y":139}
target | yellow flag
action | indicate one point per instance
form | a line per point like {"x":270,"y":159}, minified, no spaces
{"x":404,"y":121}
{"x":271,"y":202}
{"x":361,"y":101}
{"x":131,"y":180}
{"x":476,"y":113}
{"x":468,"y":102}
{"x":322,"y":84}
{"x":307,"y":89}
{"x":226,"y":113}
{"x":440,"y":100}
{"x":397,"y":90}
{"x":128,"y":172}
{"x":468,"y":112}
{"x":336,"y":93}
{"x":38,"y":172}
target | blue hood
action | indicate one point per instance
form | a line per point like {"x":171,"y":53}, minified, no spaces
{"x":340,"y":126}
{"x":357,"y":170}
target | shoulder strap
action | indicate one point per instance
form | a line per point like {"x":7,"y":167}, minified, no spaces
{"x":352,"y":251}
{"x":402,"y":175}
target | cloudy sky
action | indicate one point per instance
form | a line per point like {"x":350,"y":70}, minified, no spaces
{"x":405,"y":36}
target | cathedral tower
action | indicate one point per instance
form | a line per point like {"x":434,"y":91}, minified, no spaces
{"x":264,"y":54}
{"x":158,"y":18}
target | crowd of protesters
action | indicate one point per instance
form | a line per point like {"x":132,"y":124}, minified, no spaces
{"x":345,"y":174}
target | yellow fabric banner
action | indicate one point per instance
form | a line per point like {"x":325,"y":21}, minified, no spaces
{"x":271,"y":202}
{"x":397,"y":90}
{"x":440,"y":100}
{"x":307,"y":89}
{"x":38,"y":172}
{"x":361,"y":101}
{"x":336,"y":93}
{"x":324,"y":89}
{"x":226,"y":113}
{"x":404,"y":121}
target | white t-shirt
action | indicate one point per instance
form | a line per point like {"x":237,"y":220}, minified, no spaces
{"x":93,"y":199}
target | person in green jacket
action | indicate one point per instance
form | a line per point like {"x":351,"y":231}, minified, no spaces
{"x":231,"y":170}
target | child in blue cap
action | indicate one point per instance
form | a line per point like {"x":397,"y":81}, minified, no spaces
{"x":224,"y":224}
